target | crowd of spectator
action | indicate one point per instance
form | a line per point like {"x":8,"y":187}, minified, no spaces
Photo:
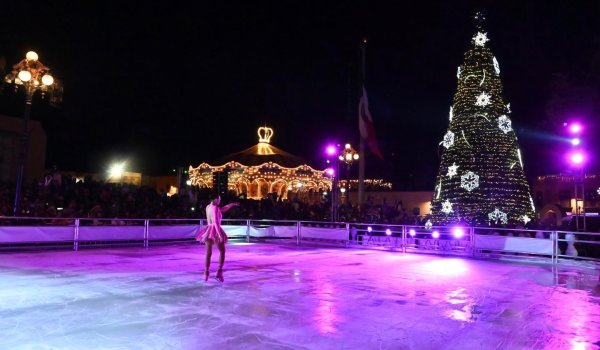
{"x":65,"y":197}
{"x":59,"y":196}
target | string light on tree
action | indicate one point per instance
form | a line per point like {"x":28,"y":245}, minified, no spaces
{"x":498,"y":216}
{"x":451,"y":112}
{"x":525,"y":219}
{"x":447,"y":207}
{"x":504,"y":124}
{"x":452,"y":170}
{"x":496,"y":66}
{"x":486,"y":145}
{"x":448,"y":139}
{"x":483,"y":100}
{"x":469,"y":181}
{"x":458,"y":72}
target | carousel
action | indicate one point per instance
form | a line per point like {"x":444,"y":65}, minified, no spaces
{"x":263,"y":170}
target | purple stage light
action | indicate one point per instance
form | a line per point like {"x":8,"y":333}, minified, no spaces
{"x":388,"y":232}
{"x":329,"y":171}
{"x":458,"y":232}
{"x":576,"y":141}
{"x":331,"y":150}
{"x":435,"y":234}
{"x":577,"y":158}
{"x":412,"y":232}
{"x":575,"y":128}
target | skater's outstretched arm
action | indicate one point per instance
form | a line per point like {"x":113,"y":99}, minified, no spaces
{"x":229,"y":206}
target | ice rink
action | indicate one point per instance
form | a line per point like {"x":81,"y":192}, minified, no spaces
{"x":287,"y":297}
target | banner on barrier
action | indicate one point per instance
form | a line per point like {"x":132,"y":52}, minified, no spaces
{"x":324,"y":233}
{"x":22,"y":234}
{"x":514,"y":244}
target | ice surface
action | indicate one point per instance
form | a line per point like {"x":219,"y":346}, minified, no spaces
{"x":283,"y":297}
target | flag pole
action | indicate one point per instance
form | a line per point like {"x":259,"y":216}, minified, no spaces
{"x":361,"y":149}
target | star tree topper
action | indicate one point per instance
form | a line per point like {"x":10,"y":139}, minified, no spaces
{"x":480,"y":39}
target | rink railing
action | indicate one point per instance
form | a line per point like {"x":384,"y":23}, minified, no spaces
{"x":466,"y":241}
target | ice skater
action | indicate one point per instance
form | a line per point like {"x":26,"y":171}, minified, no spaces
{"x":213,"y":234}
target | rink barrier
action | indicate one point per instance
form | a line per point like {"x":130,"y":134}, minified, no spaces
{"x":485,"y":242}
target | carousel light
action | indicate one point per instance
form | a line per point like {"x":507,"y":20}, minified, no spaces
{"x":47,"y":80}
{"x":31,"y":56}
{"x":25,"y":75}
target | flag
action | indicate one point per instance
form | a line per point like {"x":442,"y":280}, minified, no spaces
{"x":365,"y":124}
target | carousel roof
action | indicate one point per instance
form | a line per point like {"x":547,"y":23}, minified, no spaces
{"x":263,"y":152}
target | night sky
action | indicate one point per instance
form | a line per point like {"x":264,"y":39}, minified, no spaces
{"x":170,"y":85}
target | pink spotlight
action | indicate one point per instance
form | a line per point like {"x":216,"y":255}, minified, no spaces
{"x":330,"y":171}
{"x":412,"y":232}
{"x":577,"y":158}
{"x":458,"y":232}
{"x":331,"y":150}
{"x":435,"y":234}
{"x":388,"y":232}
{"x":575,"y":128}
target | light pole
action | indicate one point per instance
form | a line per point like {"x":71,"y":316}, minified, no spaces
{"x":349,"y":155}
{"x":577,"y":159}
{"x":32,"y":75}
{"x":331,"y":152}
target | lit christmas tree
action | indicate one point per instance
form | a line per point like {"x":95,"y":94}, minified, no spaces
{"x":481,"y":178}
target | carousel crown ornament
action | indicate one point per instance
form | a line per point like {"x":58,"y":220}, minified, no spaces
{"x":265,"y":134}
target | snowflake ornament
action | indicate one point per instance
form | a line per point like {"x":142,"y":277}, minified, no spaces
{"x":447,"y":207}
{"x":452,"y":170}
{"x":428,"y":225}
{"x":448,"y":139}
{"x":525,"y":219}
{"x":480,"y":39}
{"x":458,"y":72}
{"x":504,"y":124}
{"x":469,"y":181}
{"x":483,"y":100}
{"x":451,"y":114}
{"x":498,"y":215}
{"x":496,"y":66}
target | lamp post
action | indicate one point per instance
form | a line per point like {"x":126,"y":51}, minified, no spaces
{"x":32,"y":75}
{"x":349,"y":155}
{"x":577,"y":159}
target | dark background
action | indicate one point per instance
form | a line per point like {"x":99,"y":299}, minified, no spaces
{"x":165,"y":85}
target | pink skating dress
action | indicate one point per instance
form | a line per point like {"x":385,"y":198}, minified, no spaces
{"x":213,"y":229}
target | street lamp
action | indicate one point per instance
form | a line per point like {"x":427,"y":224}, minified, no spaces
{"x":33,"y":76}
{"x":349,"y":155}
{"x":577,"y":158}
